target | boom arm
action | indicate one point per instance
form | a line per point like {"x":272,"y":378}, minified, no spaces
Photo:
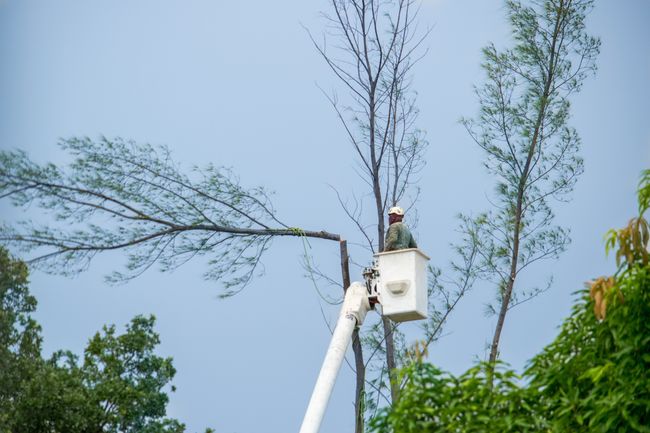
{"x":354,"y":309}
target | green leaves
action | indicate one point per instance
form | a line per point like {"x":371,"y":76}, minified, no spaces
{"x":120,"y":385}
{"x":643,"y":193}
{"x":597,"y":368}
{"x":126,"y":377}
{"x":597,"y":373}
{"x":20,"y":340}
{"x":480,"y":400}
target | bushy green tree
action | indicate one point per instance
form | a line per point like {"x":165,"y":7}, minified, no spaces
{"x":594,"y":376}
{"x":120,"y":385}
{"x":477,"y":401}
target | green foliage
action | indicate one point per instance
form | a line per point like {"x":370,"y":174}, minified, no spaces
{"x":120,"y":385}
{"x":480,"y":400}
{"x":594,"y":376}
{"x":20,"y":341}
{"x":55,"y":399}
{"x":126,"y":377}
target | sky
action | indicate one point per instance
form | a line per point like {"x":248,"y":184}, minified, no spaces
{"x":238,"y":84}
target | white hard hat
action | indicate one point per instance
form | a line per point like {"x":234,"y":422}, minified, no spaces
{"x":396,"y":210}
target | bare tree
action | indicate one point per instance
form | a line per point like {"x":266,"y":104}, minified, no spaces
{"x":375,"y":47}
{"x":530,"y":149}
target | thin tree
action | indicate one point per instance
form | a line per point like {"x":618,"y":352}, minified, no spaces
{"x":376,"y":45}
{"x":530,"y":149}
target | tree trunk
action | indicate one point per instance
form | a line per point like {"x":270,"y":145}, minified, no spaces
{"x":522,"y":186}
{"x":379,"y":204}
{"x":387,"y":324}
{"x":508,"y":291}
{"x":360,"y":391}
{"x":360,"y":368}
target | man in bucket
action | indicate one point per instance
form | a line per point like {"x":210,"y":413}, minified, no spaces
{"x":398,"y":236}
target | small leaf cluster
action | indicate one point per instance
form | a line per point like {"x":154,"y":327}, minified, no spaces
{"x":631,"y":242}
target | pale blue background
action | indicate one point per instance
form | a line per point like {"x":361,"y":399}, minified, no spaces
{"x":233,"y":83}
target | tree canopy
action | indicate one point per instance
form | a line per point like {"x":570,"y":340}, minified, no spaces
{"x":119,"y":384}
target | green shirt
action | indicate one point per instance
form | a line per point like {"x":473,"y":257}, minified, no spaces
{"x":398,"y":237}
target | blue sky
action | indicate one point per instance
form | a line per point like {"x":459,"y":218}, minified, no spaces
{"x":235,"y":84}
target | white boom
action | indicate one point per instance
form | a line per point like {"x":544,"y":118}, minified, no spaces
{"x":354,"y":309}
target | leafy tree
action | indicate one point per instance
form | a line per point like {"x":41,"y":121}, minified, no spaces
{"x":479,"y":400}
{"x":120,"y":386}
{"x":593,"y":377}
{"x":530,"y":149}
{"x":20,"y":340}
{"x":126,"y":376}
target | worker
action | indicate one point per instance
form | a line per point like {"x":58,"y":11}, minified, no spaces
{"x":398,"y":236}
